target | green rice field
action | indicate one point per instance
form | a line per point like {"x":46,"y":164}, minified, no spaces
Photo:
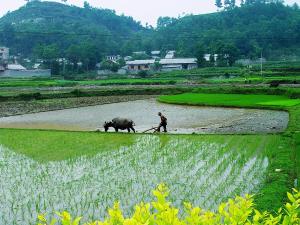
{"x":234,"y":100}
{"x":86,"y":172}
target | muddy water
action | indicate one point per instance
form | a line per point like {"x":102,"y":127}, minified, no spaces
{"x":181,"y":119}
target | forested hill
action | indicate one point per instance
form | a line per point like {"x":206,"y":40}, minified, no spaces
{"x":246,"y":31}
{"x":49,"y":30}
{"x":55,"y":23}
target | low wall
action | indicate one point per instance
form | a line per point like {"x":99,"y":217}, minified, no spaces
{"x":26,"y":73}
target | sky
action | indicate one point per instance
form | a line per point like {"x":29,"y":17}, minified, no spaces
{"x":146,"y":11}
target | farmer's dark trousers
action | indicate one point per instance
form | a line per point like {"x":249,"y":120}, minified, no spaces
{"x":162,"y":125}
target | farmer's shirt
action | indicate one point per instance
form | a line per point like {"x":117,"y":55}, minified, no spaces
{"x":163,"y":119}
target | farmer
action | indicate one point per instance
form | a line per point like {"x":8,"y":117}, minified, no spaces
{"x":163,"y":122}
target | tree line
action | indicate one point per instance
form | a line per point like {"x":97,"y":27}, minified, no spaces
{"x":84,"y":36}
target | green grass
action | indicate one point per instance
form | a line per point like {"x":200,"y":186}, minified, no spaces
{"x":253,"y":79}
{"x":209,"y":75}
{"x":45,"y":146}
{"x":51,"y":146}
{"x":53,"y":167}
{"x":69,"y":83}
{"x":234,"y":100}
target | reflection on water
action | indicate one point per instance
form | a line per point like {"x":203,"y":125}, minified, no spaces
{"x":181,"y":119}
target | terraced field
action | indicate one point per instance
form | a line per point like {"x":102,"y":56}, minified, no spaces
{"x":87,"y":176}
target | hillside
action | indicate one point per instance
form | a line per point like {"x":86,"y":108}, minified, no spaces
{"x":49,"y":30}
{"x":272,"y":28}
{"x":55,"y":23}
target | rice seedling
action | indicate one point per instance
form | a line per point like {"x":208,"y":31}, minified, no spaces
{"x":201,"y":172}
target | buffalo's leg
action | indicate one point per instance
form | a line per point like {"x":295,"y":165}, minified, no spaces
{"x":117,"y":130}
{"x":132,"y":128}
{"x":128,"y":129}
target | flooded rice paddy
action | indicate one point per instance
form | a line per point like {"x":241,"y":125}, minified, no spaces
{"x":204,"y":173}
{"x":181,"y":119}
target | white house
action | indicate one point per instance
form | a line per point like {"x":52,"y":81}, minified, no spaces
{"x":138,"y":65}
{"x":170,"y":54}
{"x":128,"y":58}
{"x":4,"y":54}
{"x":139,"y":53}
{"x":155,"y":54}
{"x":36,"y":66}
{"x":113,"y":57}
{"x":207,"y":57}
{"x":16,"y":67}
{"x":178,"y":64}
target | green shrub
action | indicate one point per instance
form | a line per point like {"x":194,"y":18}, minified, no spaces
{"x":77,"y":93}
{"x":236,"y":211}
{"x":29,"y":96}
{"x":143,"y":73}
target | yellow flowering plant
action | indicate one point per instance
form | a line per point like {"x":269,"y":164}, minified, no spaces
{"x":237,"y":211}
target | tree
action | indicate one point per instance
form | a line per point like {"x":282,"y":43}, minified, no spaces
{"x":121,"y":62}
{"x":250,"y":2}
{"x":227,"y":54}
{"x":156,"y":66}
{"x":164,"y":21}
{"x":227,"y":4}
{"x":212,"y":60}
{"x":200,"y":56}
{"x":295,"y":6}
{"x":49,"y":54}
{"x":89,"y":55}
{"x":232,"y":4}
{"x":219,"y":4}
{"x":7,"y":37}
{"x":109,"y":65}
{"x":86,"y":5}
{"x":140,"y":56}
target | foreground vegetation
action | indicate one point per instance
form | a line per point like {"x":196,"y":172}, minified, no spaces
{"x":161,"y":211}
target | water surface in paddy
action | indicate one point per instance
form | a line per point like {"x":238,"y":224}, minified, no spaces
{"x":181,"y":119}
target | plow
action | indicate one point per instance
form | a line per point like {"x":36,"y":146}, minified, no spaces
{"x":154,"y":129}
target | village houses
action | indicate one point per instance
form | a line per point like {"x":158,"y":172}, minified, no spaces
{"x":168,"y":63}
{"x":138,"y":65}
{"x":4,"y":56}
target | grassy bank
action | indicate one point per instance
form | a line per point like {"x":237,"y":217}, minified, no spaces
{"x":71,"y":83}
{"x":232,"y":100}
{"x":33,"y":94}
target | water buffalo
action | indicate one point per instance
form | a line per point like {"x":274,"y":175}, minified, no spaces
{"x":120,"y":124}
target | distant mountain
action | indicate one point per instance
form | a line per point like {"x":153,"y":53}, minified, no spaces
{"x":271,"y":28}
{"x":64,"y":25}
{"x":50,"y":29}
